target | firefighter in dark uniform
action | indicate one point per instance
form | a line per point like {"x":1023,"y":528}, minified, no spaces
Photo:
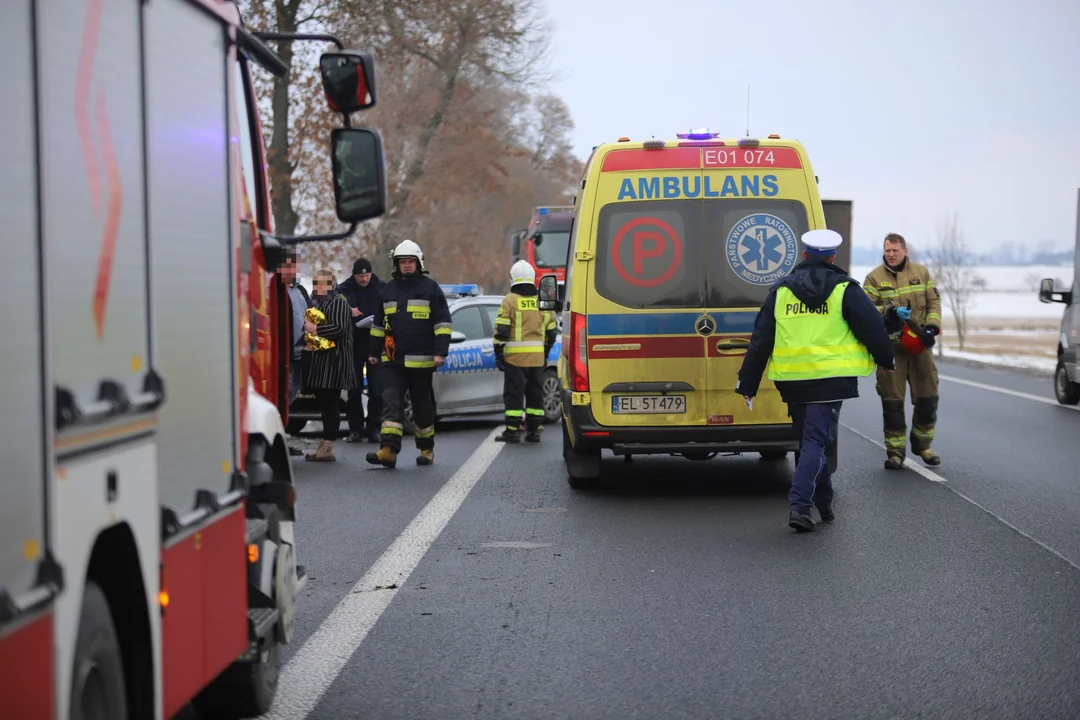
{"x":410,"y":336}
{"x":524,"y":335}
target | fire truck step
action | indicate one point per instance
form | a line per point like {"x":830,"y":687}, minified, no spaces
{"x":261,"y":621}
{"x":257,"y":528}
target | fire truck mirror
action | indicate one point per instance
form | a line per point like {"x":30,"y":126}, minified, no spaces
{"x":359,"y":174}
{"x":348,"y":79}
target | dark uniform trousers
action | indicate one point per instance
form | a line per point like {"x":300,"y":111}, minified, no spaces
{"x":354,"y":408}
{"x":816,"y":426}
{"x":921,"y":373}
{"x":396,"y":380}
{"x":527,"y":382}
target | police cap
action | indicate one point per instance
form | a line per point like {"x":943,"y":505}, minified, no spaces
{"x":822,"y":242}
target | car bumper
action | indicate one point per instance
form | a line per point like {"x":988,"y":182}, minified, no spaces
{"x":587,"y":434}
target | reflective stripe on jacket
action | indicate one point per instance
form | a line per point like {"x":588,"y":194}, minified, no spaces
{"x":415,"y":315}
{"x":524,"y":334}
{"x":815,"y":344}
{"x":909,"y":286}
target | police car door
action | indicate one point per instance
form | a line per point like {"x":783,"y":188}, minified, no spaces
{"x":464,"y":383}
{"x":754,"y":217}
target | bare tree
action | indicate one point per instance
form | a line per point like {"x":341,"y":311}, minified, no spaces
{"x":950,"y":266}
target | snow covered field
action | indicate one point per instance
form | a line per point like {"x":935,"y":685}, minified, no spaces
{"x":1007,"y":325}
{"x":1011,"y":292}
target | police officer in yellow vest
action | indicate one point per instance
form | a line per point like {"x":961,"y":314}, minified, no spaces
{"x":818,"y":333}
{"x":524,"y":335}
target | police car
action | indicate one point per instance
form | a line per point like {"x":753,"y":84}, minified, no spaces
{"x":468,"y":383}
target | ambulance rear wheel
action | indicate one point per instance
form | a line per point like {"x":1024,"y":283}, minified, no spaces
{"x":1066,"y":391}
{"x":97,"y":680}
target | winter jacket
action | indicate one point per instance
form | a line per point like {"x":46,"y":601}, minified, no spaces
{"x":524,"y":334}
{"x":332,"y":369}
{"x":812,"y":281}
{"x":414,"y":314}
{"x":908,"y":285}
{"x":367,"y":300}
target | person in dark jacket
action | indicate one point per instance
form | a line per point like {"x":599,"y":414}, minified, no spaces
{"x":363,"y":291}
{"x":411,"y":337}
{"x":819,"y":333}
{"x":330,"y":368}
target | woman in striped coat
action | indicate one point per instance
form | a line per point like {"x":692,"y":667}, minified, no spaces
{"x":329,"y":370}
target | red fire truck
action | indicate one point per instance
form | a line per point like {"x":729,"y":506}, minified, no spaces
{"x":147,"y":553}
{"x":544,"y":243}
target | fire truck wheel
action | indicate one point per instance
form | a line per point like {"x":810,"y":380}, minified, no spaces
{"x":97,"y":683}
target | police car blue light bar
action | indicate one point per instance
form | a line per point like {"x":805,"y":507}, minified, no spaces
{"x":461,"y":289}
{"x":542,"y":211}
{"x":698,"y":134}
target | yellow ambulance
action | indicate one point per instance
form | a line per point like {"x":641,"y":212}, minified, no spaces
{"x":674,"y":246}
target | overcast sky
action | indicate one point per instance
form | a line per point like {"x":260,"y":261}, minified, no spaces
{"x":909,"y":109}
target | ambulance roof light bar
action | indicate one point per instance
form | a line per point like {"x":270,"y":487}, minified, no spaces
{"x":697,"y":134}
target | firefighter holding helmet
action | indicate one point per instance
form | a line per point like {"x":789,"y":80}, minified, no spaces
{"x":907,"y":297}
{"x":524,"y":335}
{"x":410,"y":337}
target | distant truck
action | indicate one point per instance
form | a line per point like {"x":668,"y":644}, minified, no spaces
{"x":545,"y":242}
{"x":1067,"y":372}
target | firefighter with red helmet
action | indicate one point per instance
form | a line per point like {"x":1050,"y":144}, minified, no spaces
{"x":908,"y":299}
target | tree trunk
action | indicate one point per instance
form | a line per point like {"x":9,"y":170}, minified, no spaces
{"x":415,"y":171}
{"x":281,"y":169}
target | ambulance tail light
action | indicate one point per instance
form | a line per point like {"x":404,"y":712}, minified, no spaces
{"x":579,"y":353}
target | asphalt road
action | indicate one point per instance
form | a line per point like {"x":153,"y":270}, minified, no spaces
{"x":676,"y":589}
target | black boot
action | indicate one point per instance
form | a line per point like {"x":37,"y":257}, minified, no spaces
{"x":509,"y":436}
{"x":826,"y":512}
{"x":800,"y":522}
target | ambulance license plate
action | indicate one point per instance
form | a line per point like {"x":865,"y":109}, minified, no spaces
{"x":654,"y":404}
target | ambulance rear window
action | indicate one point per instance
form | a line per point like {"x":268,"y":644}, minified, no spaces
{"x":752,"y":244}
{"x":648,"y":254}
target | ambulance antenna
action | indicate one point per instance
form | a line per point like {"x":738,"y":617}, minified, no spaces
{"x":747,"y":110}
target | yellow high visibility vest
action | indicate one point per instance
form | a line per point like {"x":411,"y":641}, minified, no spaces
{"x":815,"y":344}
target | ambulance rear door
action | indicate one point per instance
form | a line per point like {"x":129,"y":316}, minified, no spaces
{"x":756,"y":209}
{"x":646,"y":291}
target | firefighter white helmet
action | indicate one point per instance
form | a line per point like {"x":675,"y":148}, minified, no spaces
{"x":407,"y":248}
{"x":522,"y":272}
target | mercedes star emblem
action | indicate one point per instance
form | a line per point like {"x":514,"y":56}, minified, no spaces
{"x":705,"y":325}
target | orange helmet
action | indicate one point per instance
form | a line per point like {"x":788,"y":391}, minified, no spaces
{"x":910,"y":341}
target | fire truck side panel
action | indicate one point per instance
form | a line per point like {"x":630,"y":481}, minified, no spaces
{"x":118,"y":542}
{"x":26,"y":635}
{"x":22,"y":491}
{"x":102,"y":494}
{"x":192,"y":226}
{"x":191,"y":258}
{"x":92,"y":166}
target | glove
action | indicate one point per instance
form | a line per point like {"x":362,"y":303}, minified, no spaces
{"x":903,"y":313}
{"x":927,"y":336}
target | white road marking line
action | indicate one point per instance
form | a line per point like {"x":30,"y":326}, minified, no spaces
{"x":311,"y":671}
{"x":908,"y":462}
{"x":1006,"y":391}
{"x":934,"y":477}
